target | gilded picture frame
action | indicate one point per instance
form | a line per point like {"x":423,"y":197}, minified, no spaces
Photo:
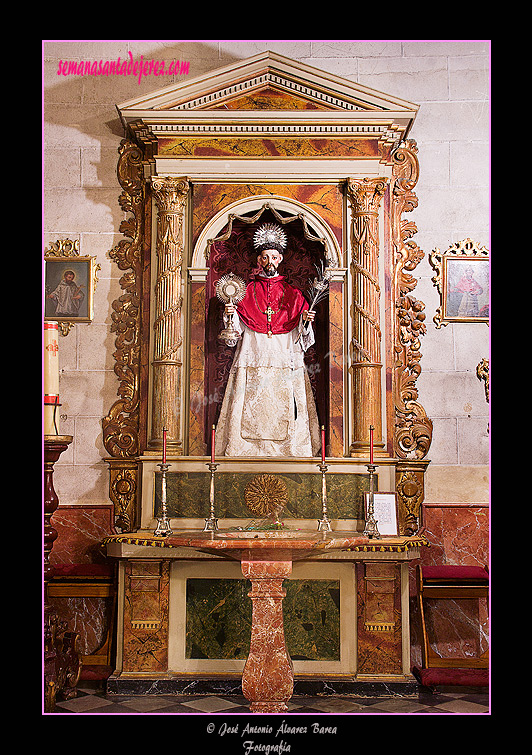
{"x":69,"y":283}
{"x":463,"y":281}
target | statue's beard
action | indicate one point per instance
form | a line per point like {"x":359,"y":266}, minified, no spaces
{"x":269,"y":271}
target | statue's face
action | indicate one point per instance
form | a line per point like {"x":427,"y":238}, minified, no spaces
{"x":269,"y":260}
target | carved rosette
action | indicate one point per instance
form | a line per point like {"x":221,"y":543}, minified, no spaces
{"x":170,"y":196}
{"x":121,"y":425}
{"x":413,"y":429}
{"x":365,"y":196}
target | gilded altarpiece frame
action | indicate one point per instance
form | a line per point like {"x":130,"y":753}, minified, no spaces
{"x":158,"y":343}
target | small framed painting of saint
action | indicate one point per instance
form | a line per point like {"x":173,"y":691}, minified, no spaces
{"x":69,"y":282}
{"x":463,"y":280}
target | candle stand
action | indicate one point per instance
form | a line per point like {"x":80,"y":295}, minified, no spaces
{"x":211,"y":523}
{"x":371,"y":530}
{"x":324,"y":524}
{"x":163,"y":525}
{"x":62,"y":660}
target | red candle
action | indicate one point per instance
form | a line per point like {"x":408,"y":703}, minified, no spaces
{"x":164,"y":446}
{"x":371,"y":444}
{"x":322,"y":444}
{"x":212,"y":445}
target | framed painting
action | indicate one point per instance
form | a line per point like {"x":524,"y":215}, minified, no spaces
{"x":463,"y":281}
{"x":69,"y":283}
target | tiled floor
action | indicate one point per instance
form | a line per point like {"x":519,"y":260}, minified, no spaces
{"x":91,"y":700}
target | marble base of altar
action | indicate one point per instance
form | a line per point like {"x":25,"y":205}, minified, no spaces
{"x":374,"y":599}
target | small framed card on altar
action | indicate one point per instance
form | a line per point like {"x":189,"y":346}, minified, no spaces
{"x":384,"y":511}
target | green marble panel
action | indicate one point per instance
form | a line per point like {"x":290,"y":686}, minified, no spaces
{"x":187,"y":495}
{"x":218,"y":619}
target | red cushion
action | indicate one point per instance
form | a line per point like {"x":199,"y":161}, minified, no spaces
{"x":462,"y":677}
{"x":83,"y":570}
{"x":95,"y":673}
{"x":455,"y":572}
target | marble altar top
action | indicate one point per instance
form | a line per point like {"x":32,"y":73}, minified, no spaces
{"x":289,"y":545}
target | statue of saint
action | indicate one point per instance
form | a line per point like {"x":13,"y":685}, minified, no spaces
{"x":268,"y":407}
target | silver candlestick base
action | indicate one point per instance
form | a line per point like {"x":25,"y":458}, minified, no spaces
{"x":371,"y":529}
{"x":163,"y":525}
{"x":324,"y":524}
{"x":211,"y":523}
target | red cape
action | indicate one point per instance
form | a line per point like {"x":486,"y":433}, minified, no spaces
{"x":287,"y":302}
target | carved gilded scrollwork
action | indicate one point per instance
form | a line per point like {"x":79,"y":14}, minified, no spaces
{"x":121,"y":425}
{"x":413,"y":429}
{"x":483,"y":373}
{"x":409,"y":485}
{"x":123,"y":493}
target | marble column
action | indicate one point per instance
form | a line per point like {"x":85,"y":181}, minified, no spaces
{"x":170,"y":195}
{"x":268,"y":676}
{"x":364,"y":196}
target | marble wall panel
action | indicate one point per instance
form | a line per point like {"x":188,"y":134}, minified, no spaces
{"x":81,"y":528}
{"x":458,"y":535}
{"x":87,"y":617}
{"x":336,"y":371}
{"x":218,"y":623}
{"x":196,"y":439}
{"x":290,"y":147}
{"x":188,"y":495}
{"x":325,"y":200}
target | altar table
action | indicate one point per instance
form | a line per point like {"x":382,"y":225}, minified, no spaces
{"x":266,"y":559}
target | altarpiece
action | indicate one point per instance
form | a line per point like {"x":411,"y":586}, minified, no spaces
{"x":205,"y":162}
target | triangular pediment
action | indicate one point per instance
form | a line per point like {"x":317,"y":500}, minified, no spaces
{"x":267,"y":81}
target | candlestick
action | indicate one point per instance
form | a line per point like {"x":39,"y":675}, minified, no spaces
{"x":212,"y":444}
{"x":322,"y":444}
{"x":211,"y":524}
{"x":371,"y":428}
{"x":371,"y":529}
{"x":164,"y":446}
{"x":163,"y":525}
{"x":51,"y":378}
{"x":324,"y":524}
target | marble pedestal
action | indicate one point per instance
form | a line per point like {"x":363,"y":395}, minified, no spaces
{"x":268,"y":677}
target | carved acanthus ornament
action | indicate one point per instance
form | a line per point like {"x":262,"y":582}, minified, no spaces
{"x":413,"y":429}
{"x":121,"y":425}
{"x":483,"y":373}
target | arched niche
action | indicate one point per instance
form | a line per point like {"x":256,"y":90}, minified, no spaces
{"x":225,"y":245}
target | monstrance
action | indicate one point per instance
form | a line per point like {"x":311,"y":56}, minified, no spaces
{"x":230,"y":289}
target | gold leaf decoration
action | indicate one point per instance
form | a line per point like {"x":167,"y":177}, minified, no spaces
{"x":266,"y":496}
